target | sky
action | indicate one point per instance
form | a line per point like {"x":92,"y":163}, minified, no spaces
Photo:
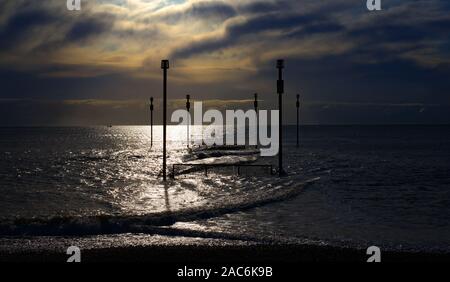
{"x":100,"y":65}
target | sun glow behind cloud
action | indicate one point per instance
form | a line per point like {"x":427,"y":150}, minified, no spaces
{"x":132,"y":35}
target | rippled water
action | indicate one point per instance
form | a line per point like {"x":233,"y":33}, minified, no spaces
{"x":378,"y":185}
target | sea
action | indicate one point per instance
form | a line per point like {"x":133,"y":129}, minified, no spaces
{"x":352,"y":186}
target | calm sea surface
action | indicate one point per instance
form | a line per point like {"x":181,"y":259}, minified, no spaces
{"x":379,"y":185}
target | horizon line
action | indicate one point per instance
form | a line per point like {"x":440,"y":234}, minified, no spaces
{"x":290,"y":124}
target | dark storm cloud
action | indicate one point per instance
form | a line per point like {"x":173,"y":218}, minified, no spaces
{"x":91,"y":26}
{"x":237,"y":31}
{"x":339,"y":79}
{"x":211,"y":9}
{"x":263,"y":7}
{"x":316,"y":28}
{"x":204,"y":11}
{"x":22,"y":24}
{"x":27,"y":21}
{"x":411,"y":26}
{"x":389,"y":31}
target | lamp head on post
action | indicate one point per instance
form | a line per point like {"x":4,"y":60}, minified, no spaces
{"x":298,"y":100}
{"x":188,"y":102}
{"x":165,"y":64}
{"x":280,"y":64}
{"x":280,"y":82}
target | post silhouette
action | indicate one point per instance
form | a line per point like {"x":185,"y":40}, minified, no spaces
{"x":298,"y":120}
{"x":280,"y":90}
{"x":164,"y":67}
{"x":257,"y":119}
{"x":188,"y":109}
{"x":151,"y":122}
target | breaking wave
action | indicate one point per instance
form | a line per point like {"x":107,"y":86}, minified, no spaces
{"x":117,"y":224}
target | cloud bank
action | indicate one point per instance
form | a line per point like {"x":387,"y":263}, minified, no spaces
{"x":336,"y":51}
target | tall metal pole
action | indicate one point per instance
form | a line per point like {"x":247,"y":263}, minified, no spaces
{"x":280,"y":88}
{"x":151,"y":121}
{"x":188,"y":108}
{"x":298,"y":120}
{"x":257,"y":119}
{"x":165,"y":67}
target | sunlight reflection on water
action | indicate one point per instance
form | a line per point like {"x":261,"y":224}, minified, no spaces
{"x":377,"y":186}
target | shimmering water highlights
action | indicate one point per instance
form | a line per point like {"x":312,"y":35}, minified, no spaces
{"x":378,"y":185}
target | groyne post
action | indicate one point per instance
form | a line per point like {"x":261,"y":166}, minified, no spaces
{"x":164,"y":67}
{"x":298,"y":120}
{"x":255,"y":104}
{"x":188,"y":109}
{"x":151,"y":121}
{"x":280,"y":90}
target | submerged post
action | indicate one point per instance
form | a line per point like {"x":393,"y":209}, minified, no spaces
{"x":298,"y":120}
{"x":188,"y":109}
{"x":280,"y":90}
{"x":151,"y":122}
{"x":165,"y":67}
{"x":257,"y":119}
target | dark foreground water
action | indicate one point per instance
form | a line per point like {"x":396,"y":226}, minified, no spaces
{"x":379,"y":185}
